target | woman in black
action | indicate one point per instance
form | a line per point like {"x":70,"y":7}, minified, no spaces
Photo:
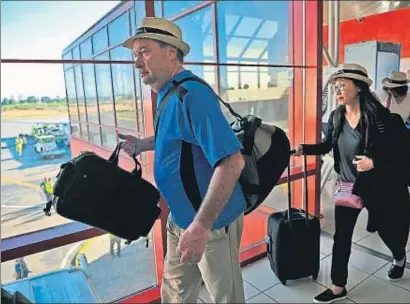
{"x":367,"y":158}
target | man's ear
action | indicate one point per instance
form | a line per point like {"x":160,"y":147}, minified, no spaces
{"x":172,"y":53}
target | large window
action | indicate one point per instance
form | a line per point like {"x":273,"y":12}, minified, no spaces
{"x":104,"y":91}
{"x":90,"y":93}
{"x":71,"y":95}
{"x":172,"y":8}
{"x":259,"y":91}
{"x":123,"y":83}
{"x":100,"y":41}
{"x":198,"y":33}
{"x":86,"y":49}
{"x":119,"y":29}
{"x":80,"y":92}
{"x":255,"y":31}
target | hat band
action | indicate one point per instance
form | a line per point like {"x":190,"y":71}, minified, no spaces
{"x":151,"y":30}
{"x":396,"y":81}
{"x":345,"y":71}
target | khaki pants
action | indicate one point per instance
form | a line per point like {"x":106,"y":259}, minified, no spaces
{"x":219,"y":268}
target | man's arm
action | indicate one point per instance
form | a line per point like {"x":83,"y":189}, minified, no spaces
{"x":147,"y":144}
{"x":220,"y":188}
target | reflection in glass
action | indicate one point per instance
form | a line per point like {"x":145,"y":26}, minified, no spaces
{"x":95,"y":134}
{"x":71,"y":95}
{"x":172,"y":8}
{"x":84,"y":131}
{"x":109,"y":138}
{"x":119,"y":29}
{"x":86,"y":49}
{"x":140,"y":106}
{"x":259,"y":91}
{"x":90,"y":93}
{"x":198,"y":33}
{"x":80,"y":93}
{"x":123,"y":89}
{"x":100,"y":41}
{"x":75,"y":129}
{"x":104,"y":91}
{"x":255,"y":30}
{"x":67,"y":56}
{"x":76,"y":53}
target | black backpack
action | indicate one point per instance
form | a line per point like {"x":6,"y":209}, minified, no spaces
{"x":97,"y":192}
{"x":266,"y":150}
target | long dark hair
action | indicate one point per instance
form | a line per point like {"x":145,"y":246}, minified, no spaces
{"x":371,"y":110}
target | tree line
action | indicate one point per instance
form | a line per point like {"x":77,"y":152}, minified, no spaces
{"x":33,"y":100}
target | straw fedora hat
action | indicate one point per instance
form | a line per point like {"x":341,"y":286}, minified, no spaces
{"x":396,"y":79}
{"x":351,"y":71}
{"x":159,"y":29}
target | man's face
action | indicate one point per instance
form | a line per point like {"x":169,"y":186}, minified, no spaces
{"x":151,"y":60}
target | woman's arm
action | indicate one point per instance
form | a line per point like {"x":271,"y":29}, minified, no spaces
{"x":326,"y":145}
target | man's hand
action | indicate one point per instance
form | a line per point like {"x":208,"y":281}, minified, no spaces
{"x":192,"y":243}
{"x":363,"y":163}
{"x":134,"y":146}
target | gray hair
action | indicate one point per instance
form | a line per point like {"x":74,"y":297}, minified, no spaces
{"x":180,"y":55}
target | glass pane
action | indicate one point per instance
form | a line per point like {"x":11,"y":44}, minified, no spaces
{"x":33,"y":105}
{"x":104,"y":91}
{"x":140,"y":106}
{"x":67,"y":56}
{"x":84,"y":131}
{"x":254,"y":31}
{"x":133,"y":21}
{"x":157,"y":7}
{"x":140,"y":11}
{"x":95,"y":134}
{"x":90,"y":274}
{"x":119,"y":29}
{"x":80,"y":93}
{"x":71,"y":94}
{"x":86,"y":49}
{"x":109,"y":138}
{"x":75,"y":129}
{"x":123,"y":89}
{"x":100,"y":41}
{"x":172,"y":8}
{"x":197,"y":31}
{"x":260,"y":91}
{"x":76,"y":53}
{"x":90,"y":93}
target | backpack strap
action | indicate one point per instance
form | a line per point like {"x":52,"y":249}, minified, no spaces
{"x":181,"y":94}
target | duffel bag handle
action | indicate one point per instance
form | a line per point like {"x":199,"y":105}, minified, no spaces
{"x":114,"y":159}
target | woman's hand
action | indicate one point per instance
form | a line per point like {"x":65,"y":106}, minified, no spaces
{"x":299,"y":150}
{"x":363,"y":163}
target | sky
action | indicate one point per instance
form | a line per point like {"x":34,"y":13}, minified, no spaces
{"x":41,"y":30}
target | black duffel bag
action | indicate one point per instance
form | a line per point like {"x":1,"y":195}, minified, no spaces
{"x":97,"y":192}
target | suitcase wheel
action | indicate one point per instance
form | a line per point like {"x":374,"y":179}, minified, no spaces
{"x":283,"y":282}
{"x":314,"y":276}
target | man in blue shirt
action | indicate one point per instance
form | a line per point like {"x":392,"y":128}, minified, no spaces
{"x":202,"y":239}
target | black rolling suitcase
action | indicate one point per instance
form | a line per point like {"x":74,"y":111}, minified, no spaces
{"x":97,"y":192}
{"x":293,"y":240}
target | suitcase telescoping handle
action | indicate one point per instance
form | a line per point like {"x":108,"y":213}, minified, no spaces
{"x":305,"y":192}
{"x":114,"y":159}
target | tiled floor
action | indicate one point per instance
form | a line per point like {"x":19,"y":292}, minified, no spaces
{"x":367,"y":282}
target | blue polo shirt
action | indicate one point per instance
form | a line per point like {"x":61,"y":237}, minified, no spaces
{"x":198,"y":120}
